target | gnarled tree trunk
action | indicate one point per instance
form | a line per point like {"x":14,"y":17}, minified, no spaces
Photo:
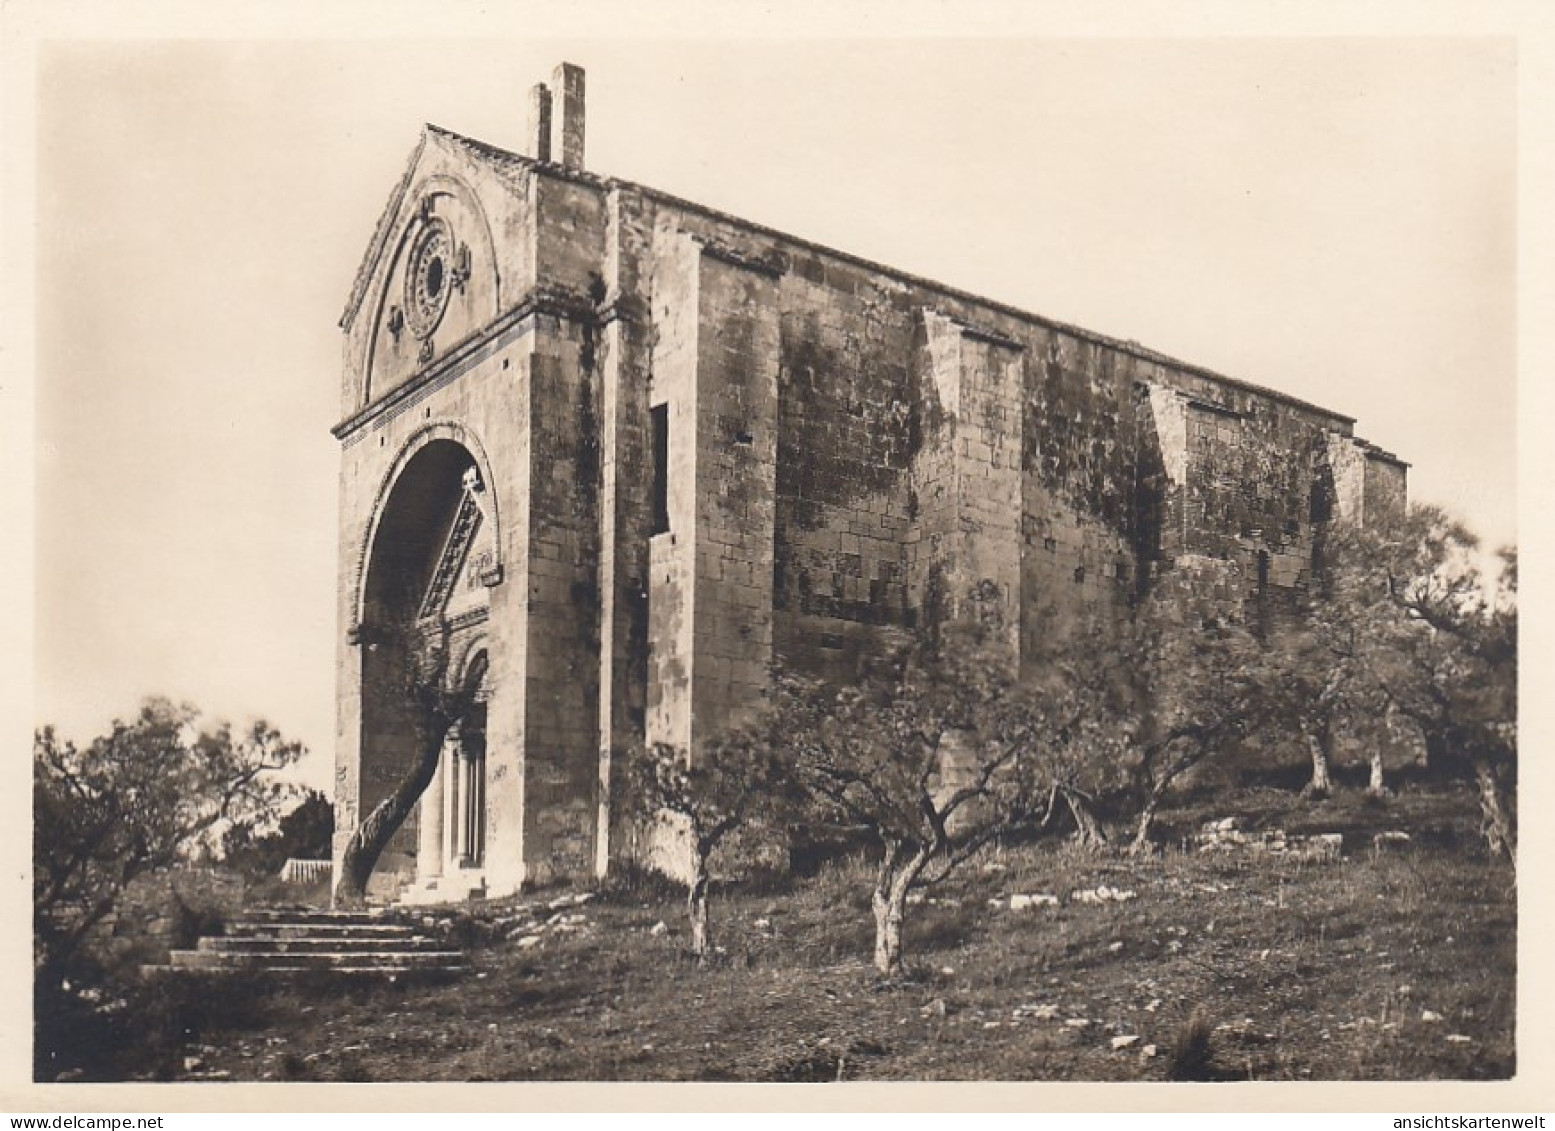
{"x":1376,"y":787}
{"x":1087,"y":827}
{"x":1322,"y":783}
{"x":696,"y":909}
{"x":1141,"y":842}
{"x":898,"y":869}
{"x":1500,"y":838}
{"x":373,"y":834}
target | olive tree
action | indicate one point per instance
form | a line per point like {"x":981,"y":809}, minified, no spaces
{"x":149,"y":793}
{"x":738,"y":776}
{"x":936,"y":750}
{"x":1448,"y":661}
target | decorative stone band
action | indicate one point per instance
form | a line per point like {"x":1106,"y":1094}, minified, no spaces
{"x":467,"y":355}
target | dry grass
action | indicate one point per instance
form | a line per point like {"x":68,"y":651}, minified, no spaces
{"x":1224,"y":967}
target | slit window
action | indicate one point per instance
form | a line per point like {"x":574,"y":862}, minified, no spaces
{"x":660,"y":419}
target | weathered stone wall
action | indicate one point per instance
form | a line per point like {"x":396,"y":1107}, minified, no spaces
{"x":1386,"y":488}
{"x":845,"y":441}
{"x":676,"y":302}
{"x":561,"y":740}
{"x":736,"y":438}
{"x":623,"y":347}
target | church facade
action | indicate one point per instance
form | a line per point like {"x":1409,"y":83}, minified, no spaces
{"x":617,"y":452}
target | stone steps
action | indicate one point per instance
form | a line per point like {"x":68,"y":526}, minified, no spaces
{"x":244,"y":944}
{"x":270,"y":960}
{"x":341,"y":942}
{"x":381,"y":931}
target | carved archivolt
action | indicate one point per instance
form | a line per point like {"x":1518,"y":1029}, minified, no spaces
{"x":487,"y":501}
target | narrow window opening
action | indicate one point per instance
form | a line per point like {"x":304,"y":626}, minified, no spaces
{"x":1261,"y":600}
{"x":660,"y":415}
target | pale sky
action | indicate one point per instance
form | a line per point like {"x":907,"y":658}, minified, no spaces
{"x":1332,"y":218}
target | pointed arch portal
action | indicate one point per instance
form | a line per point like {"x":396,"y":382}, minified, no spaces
{"x":420,"y":546}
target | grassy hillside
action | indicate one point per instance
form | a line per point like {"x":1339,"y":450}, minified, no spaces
{"x":1388,"y":963}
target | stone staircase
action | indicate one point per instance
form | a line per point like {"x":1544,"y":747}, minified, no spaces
{"x":343,"y":942}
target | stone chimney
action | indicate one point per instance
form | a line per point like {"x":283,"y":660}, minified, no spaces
{"x":540,"y":122}
{"x":566,"y":96}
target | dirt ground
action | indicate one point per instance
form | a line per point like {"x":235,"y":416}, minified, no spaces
{"x":1238,"y":962}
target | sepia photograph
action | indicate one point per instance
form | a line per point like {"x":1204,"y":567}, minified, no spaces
{"x":806,"y":553}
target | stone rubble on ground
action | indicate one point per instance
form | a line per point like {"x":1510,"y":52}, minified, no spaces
{"x":1036,"y":1012}
{"x":1102,"y":894}
{"x":1224,"y":836}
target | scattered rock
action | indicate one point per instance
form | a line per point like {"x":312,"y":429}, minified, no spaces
{"x":1115,"y":946}
{"x":1077,"y":1022}
{"x":1125,"y":1042}
{"x":1319,"y":848}
{"x":1102,"y":894}
{"x":935,"y":1008}
{"x":1147,"y":1052}
{"x":1389,"y":837}
{"x":659,"y":928}
{"x":762,"y":924}
{"x":1026,"y":902}
{"x":1036,"y":1012}
{"x":1430,"y":1016}
{"x":1155,"y":1004}
{"x":1459,"y":1038}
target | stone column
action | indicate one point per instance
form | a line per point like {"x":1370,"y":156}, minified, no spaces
{"x":460,"y":830}
{"x":429,"y":849}
{"x":448,"y":778}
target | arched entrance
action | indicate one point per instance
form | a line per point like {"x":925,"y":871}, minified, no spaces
{"x":421,"y":592}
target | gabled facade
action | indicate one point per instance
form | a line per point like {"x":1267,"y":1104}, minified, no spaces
{"x":620,"y":452}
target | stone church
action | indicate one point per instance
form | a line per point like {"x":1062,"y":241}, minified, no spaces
{"x":619,"y":451}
